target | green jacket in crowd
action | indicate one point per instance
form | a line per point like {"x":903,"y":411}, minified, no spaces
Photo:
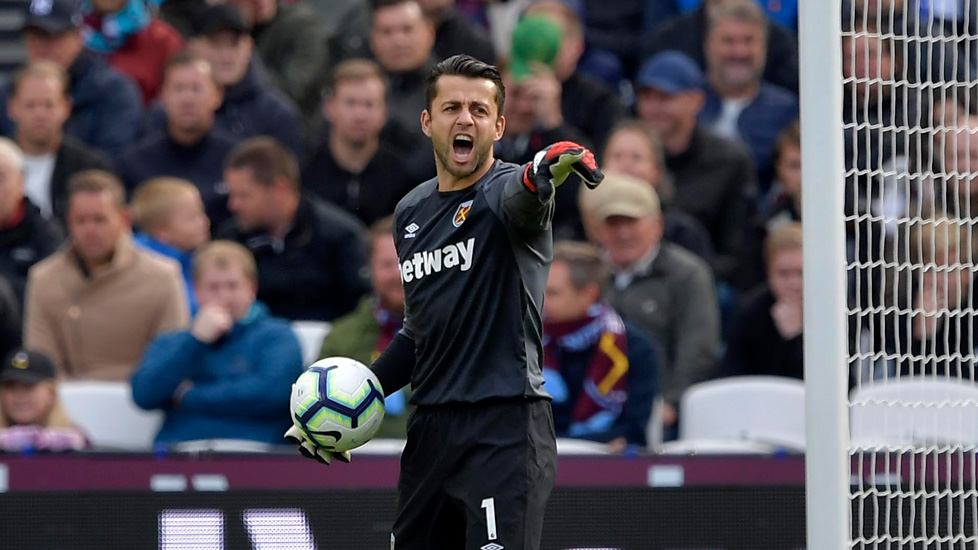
{"x":354,"y":335}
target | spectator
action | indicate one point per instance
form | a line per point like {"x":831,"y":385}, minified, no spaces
{"x":39,"y":107}
{"x":293,"y":45}
{"x":228,"y":375}
{"x":250,"y":106}
{"x":587,"y":104}
{"x":353,"y":168}
{"x":455,"y":34}
{"x":714,"y":176}
{"x":662,"y":288}
{"x":30,"y":415}
{"x":687,"y":32}
{"x":739,"y":104}
{"x":190,"y":145}
{"x":26,"y":237}
{"x":170,"y":216}
{"x":11,"y":324}
{"x":876,"y":108}
{"x":931,"y":48}
{"x":134,"y":42}
{"x":402,"y":41}
{"x":368,"y":330}
{"x":310,"y":254}
{"x":602,"y":372}
{"x":955,"y":165}
{"x":633,"y":150}
{"x":105,"y":105}
{"x":534,"y":118}
{"x":931,"y":328}
{"x":94,"y":305}
{"x":766,"y":334}
{"x":786,"y":205}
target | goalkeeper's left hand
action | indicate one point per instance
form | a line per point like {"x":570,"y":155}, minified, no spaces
{"x":552,"y":165}
{"x":310,"y":449}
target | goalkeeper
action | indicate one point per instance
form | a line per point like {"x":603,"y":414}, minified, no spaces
{"x":474,"y":247}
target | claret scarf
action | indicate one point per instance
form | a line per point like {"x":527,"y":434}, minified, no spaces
{"x":606,"y":380}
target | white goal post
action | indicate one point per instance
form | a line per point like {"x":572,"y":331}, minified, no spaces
{"x":827,"y":451}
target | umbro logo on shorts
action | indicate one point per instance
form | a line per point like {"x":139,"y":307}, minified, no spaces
{"x":492,"y":546}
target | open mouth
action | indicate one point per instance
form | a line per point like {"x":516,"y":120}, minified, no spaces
{"x":462,"y":147}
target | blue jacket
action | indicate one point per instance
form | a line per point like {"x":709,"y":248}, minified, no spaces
{"x":643,"y":386}
{"x":759,"y":124}
{"x":251,"y":108}
{"x":241,"y":383}
{"x":185,"y":259}
{"x":106,"y":107}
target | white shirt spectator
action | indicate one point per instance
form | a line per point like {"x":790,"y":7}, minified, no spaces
{"x":37,"y":181}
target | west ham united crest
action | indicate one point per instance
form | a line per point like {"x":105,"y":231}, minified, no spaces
{"x":462,"y":213}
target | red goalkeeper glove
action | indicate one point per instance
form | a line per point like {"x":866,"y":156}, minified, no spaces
{"x":552,"y":165}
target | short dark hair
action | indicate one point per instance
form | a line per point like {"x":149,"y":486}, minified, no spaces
{"x":267,"y":159}
{"x":186,"y":57}
{"x":98,"y":181}
{"x":584,"y":262}
{"x":469,"y":67}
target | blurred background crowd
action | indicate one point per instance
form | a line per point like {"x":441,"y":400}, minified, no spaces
{"x":195,"y":196}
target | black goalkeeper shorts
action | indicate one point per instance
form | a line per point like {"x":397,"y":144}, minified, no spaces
{"x":476,"y":477}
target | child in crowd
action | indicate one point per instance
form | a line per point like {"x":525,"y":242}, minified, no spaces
{"x":30,"y":416}
{"x":169,"y":215}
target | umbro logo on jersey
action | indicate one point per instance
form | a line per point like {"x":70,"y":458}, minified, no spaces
{"x":411,"y":230}
{"x":427,"y":262}
{"x":492,"y":546}
{"x":462,"y":213}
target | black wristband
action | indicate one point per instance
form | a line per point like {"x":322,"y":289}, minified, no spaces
{"x":396,"y":364}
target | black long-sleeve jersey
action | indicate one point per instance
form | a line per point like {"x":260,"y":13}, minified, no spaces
{"x":474,"y":264}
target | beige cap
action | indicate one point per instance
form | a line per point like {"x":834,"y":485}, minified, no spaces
{"x":620,"y":195}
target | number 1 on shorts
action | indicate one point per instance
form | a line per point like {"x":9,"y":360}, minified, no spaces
{"x":490,"y":505}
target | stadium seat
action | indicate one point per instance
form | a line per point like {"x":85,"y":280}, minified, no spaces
{"x":567,"y":446}
{"x":381,"y":447}
{"x":769,"y":410}
{"x":310,"y":335}
{"x":919,"y":411}
{"x":714,"y":447}
{"x":222,"y":446}
{"x":106,"y":413}
{"x":653,"y":428}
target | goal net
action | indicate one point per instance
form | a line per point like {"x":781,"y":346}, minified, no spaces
{"x":909,"y":166}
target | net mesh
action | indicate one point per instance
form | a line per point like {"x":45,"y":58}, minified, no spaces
{"x":911,"y":152}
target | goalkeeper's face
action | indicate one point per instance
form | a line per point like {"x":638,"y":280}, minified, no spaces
{"x":463,"y":123}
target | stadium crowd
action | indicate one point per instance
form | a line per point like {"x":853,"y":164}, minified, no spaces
{"x":287,"y":131}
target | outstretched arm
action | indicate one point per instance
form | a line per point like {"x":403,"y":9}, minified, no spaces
{"x":527,"y":200}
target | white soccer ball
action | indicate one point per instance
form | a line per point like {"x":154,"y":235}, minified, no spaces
{"x":338,"y":403}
